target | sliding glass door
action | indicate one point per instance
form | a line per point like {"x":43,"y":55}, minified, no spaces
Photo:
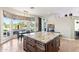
{"x":6,"y":29}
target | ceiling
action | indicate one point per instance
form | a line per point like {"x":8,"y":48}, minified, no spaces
{"x":47,"y":11}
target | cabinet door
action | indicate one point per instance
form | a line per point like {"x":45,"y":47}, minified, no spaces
{"x":53,"y":45}
{"x":57,"y":42}
{"x":25,"y":43}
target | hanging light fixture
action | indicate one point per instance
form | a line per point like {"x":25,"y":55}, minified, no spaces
{"x":70,"y":14}
{"x":65,"y":15}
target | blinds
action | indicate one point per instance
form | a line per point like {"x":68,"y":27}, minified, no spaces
{"x":14,"y":16}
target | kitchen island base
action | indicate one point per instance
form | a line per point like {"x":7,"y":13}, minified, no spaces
{"x":30,"y":44}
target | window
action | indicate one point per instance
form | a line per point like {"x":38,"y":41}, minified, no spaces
{"x":6,"y":26}
{"x":10,"y":26}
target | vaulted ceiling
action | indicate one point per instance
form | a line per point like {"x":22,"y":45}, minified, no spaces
{"x":46,"y":11}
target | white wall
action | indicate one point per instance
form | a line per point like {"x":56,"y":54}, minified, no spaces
{"x":1,"y":18}
{"x":64,"y":25}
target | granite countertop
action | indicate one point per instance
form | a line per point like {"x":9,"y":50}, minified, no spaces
{"x":43,"y":36}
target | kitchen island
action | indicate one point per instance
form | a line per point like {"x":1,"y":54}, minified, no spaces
{"x":41,"y":42}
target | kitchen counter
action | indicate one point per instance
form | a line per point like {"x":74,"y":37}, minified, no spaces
{"x":41,"y":41}
{"x":44,"y":37}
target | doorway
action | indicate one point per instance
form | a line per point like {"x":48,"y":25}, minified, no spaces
{"x":76,"y":29}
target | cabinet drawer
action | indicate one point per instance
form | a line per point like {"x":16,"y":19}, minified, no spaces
{"x":40,"y":45}
{"x":31,"y":48}
{"x":31,"y":41}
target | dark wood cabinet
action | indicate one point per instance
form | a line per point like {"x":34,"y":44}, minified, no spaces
{"x":33,"y":45}
{"x":53,"y":45}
